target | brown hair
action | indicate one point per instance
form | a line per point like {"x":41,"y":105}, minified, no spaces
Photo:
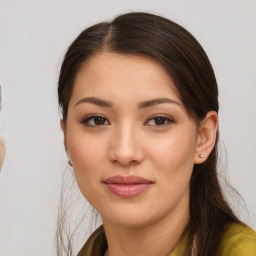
{"x":189,"y":67}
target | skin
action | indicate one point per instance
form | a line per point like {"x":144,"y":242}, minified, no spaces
{"x":2,"y":152}
{"x":129,"y":141}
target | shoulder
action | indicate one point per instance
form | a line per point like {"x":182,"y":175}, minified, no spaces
{"x":239,"y":240}
{"x":96,"y":245}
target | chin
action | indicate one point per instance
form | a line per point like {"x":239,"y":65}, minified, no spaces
{"x":132,"y":217}
{"x":131,"y":222}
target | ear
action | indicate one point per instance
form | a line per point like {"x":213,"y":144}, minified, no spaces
{"x":208,"y":128}
{"x":63,"y":128}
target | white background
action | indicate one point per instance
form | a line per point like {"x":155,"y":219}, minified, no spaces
{"x":33,"y":38}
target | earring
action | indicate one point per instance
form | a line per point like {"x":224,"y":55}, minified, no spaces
{"x":70,"y":162}
{"x":201,"y":155}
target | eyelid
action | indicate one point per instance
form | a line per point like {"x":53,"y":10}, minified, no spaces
{"x":87,"y":118}
{"x":166,"y":117}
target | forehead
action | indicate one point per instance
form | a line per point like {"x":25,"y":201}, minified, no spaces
{"x":114,"y":75}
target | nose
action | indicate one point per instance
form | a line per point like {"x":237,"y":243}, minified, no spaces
{"x":126,"y":146}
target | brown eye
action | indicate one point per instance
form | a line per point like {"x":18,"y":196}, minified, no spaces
{"x":99,"y":120}
{"x":159,"y":121}
{"x":95,"y":121}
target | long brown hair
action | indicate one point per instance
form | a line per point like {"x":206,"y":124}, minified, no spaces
{"x":189,"y":67}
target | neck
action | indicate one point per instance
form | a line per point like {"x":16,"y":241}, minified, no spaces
{"x":159,"y":238}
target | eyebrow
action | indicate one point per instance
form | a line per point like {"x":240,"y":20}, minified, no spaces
{"x":96,"y":101}
{"x":141,"y":105}
{"x":150,"y":103}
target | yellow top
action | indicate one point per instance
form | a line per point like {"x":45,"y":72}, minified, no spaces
{"x":238,"y":240}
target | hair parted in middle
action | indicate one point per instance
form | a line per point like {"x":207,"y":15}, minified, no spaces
{"x":186,"y":62}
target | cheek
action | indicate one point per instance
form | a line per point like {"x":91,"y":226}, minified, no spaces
{"x":88,"y":158}
{"x":173,"y":162}
{"x":85,"y":151}
{"x":173,"y":156}
{"x":175,"y":147}
{"x":88,"y":155}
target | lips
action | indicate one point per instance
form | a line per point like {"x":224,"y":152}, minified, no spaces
{"x":127,"y":186}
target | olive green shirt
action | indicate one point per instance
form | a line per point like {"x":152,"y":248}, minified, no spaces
{"x":238,"y":240}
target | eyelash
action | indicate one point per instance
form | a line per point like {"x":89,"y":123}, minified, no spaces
{"x":88,"y":118}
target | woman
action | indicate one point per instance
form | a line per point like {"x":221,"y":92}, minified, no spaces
{"x":139,"y":101}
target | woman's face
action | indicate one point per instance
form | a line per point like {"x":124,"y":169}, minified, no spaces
{"x":131,"y":141}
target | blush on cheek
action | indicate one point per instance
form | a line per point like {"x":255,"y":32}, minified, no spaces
{"x":86,"y":155}
{"x":172,"y":154}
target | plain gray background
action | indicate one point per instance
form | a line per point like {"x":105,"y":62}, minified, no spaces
{"x":33,"y":38}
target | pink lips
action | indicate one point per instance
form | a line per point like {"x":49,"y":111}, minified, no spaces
{"x":127,"y":186}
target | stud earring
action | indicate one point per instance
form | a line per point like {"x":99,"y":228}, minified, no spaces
{"x":201,"y":155}
{"x":70,"y":162}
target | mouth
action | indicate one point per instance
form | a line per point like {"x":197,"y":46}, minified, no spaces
{"x":127,"y":186}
